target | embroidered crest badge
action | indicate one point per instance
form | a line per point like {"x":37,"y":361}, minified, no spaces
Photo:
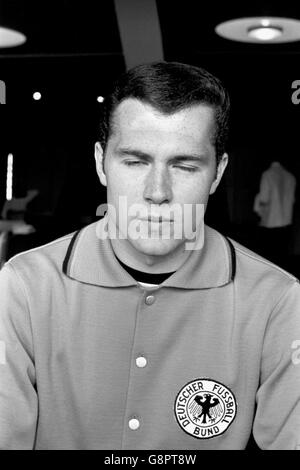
{"x":205,"y":408}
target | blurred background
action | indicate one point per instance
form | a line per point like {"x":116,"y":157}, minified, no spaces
{"x":75,"y":49}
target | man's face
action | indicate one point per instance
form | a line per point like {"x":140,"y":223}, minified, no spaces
{"x":158,"y":160}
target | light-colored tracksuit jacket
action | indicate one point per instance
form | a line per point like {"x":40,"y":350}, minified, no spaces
{"x":90,"y":359}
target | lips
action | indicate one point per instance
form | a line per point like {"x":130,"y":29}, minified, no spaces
{"x":156,"y":220}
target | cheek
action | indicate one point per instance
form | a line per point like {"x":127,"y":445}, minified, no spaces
{"x":119,"y":185}
{"x":193,"y":190}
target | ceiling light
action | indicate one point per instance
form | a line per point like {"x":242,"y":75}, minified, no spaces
{"x":100,"y":99}
{"x":11,"y":38}
{"x":37,"y":95}
{"x":260,"y":30}
{"x":265,"y":33}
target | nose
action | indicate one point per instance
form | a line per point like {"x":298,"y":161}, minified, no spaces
{"x":158,"y":186}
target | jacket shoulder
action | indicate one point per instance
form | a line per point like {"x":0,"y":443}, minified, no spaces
{"x":52,"y":253}
{"x":253,"y":265}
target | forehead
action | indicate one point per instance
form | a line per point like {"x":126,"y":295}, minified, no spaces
{"x":132,"y":117}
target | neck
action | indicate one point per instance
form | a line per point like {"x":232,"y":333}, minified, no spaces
{"x":153,"y":264}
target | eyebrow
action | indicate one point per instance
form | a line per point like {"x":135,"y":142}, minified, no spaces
{"x":176,"y":158}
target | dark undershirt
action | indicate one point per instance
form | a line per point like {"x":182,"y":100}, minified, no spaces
{"x":149,"y":278}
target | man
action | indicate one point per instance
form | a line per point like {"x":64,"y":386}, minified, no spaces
{"x":134,"y":334}
{"x":274,"y":205}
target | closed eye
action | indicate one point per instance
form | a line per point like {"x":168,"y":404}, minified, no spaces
{"x":192,"y":169}
{"x":134,"y":162}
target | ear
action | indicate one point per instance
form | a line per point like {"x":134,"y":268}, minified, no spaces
{"x":99,"y":158}
{"x":220,"y":170}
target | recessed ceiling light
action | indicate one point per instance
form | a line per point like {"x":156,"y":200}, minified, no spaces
{"x":100,"y":99}
{"x":260,"y":30}
{"x":37,"y":95}
{"x":11,"y":38}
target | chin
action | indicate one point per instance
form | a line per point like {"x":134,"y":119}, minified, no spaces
{"x":156,"y":247}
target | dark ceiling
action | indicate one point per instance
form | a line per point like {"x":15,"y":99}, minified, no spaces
{"x":76,"y":45}
{"x":67,"y":27}
{"x":78,"y":42}
{"x":74,"y":50}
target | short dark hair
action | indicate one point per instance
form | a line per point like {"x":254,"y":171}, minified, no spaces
{"x":170,"y":87}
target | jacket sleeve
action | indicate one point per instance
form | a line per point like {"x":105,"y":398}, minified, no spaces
{"x":277,"y":420}
{"x":18,"y":397}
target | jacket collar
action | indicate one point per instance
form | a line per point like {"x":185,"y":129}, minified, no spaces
{"x":91,"y":260}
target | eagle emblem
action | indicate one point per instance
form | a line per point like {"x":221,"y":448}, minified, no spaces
{"x":205,"y":408}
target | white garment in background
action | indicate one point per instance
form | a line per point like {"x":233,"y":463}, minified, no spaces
{"x":274,"y":203}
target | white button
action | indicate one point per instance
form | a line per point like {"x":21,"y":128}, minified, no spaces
{"x":141,"y":361}
{"x":150,"y":299}
{"x":134,"y":424}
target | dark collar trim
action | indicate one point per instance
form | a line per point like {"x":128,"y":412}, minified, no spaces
{"x":69,"y":253}
{"x":233,"y":259}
